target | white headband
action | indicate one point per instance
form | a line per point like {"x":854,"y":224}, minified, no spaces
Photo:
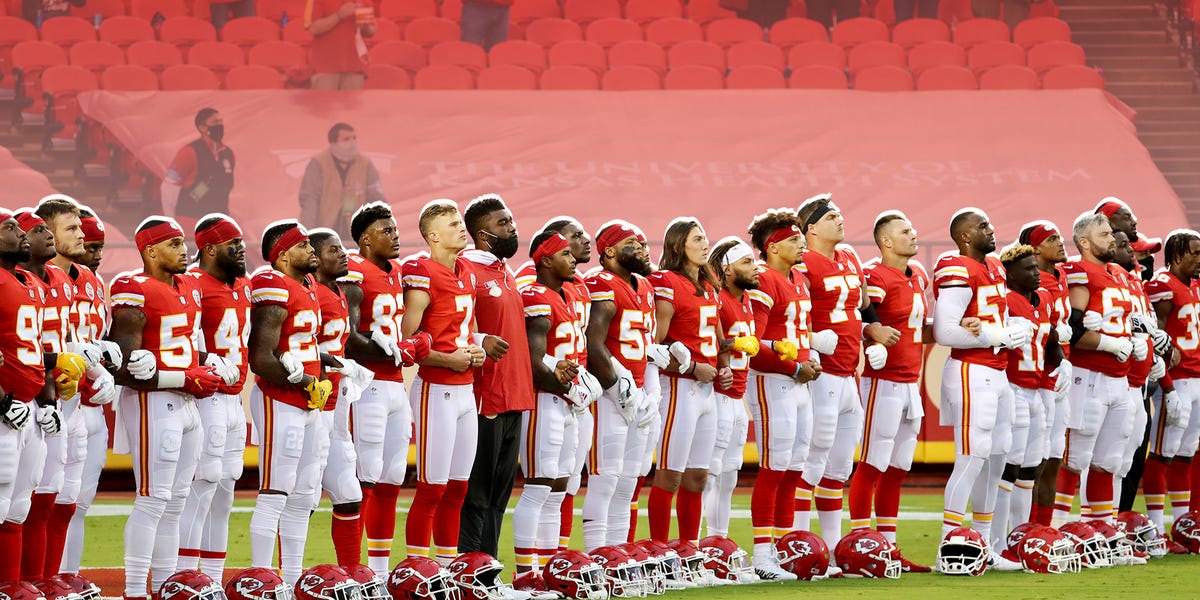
{"x":737,"y":252}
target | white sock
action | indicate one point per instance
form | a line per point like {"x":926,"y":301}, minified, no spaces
{"x":548,"y":524}
{"x":216,"y":530}
{"x":958,"y":488}
{"x":166,"y":544}
{"x":141,"y":530}
{"x":293,"y":531}
{"x":618,"y":511}
{"x":720,"y":512}
{"x":1000,"y":524}
{"x":764,"y":552}
{"x":595,"y":510}
{"x":194,"y":520}
{"x":73,"y":549}
{"x":525,"y":521}
{"x":983,"y":495}
{"x":264,"y":527}
{"x":1020,"y":503}
{"x":831,"y":526}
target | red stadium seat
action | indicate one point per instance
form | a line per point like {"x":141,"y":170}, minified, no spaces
{"x":132,"y":78}
{"x":1047,"y":55}
{"x":189,"y":77}
{"x":913,"y":32}
{"x":703,"y":11}
{"x":933,"y":54}
{"x":387,"y":77}
{"x":403,"y":11}
{"x":248,"y":31}
{"x":705,"y":54}
{"x":64,"y":83}
{"x":755,"y":77}
{"x":974,"y":31}
{"x":524,"y":12}
{"x":945,"y":77}
{"x":727,"y":32}
{"x":1009,"y":77}
{"x":13,"y":30}
{"x":282,"y":56}
{"x":405,"y":55}
{"x":295,"y":33}
{"x":789,"y":32}
{"x":668,"y":32}
{"x":185,"y":32}
{"x":275,"y":9}
{"x":1031,"y":32}
{"x":385,"y":31}
{"x":507,"y":77}
{"x":817,"y":53}
{"x":522,"y":53}
{"x":105,"y":8}
{"x":570,"y":77}
{"x":1071,"y":77}
{"x":146,"y":9}
{"x":641,"y":54}
{"x":874,"y":54}
{"x":756,"y":53}
{"x":853,"y":32}
{"x":66,"y":31}
{"x":884,"y":78}
{"x":694,"y":77}
{"x":429,"y":31}
{"x":463,"y":54}
{"x":645,"y":11}
{"x":579,"y":53}
{"x":253,"y":77}
{"x":451,"y":9}
{"x":631,"y":78}
{"x":219,"y":57}
{"x":35,"y":57}
{"x":608,"y":32}
{"x":444,"y":77}
{"x":124,"y":31}
{"x":586,"y":11}
{"x":817,"y":77}
{"x":549,"y":32}
{"x":988,"y":55}
{"x":96,"y":56}
{"x":153,"y":55}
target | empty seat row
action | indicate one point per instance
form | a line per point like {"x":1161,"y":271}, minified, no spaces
{"x":35,"y":57}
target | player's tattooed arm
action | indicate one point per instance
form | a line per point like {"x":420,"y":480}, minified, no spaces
{"x":126,"y":331}
{"x":599,"y":320}
{"x":415,"y":303}
{"x":358,"y":346}
{"x":536,"y":329}
{"x":266,"y":322}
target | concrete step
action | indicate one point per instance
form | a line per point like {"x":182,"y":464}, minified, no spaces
{"x":1138,"y":62}
{"x":1104,"y":48}
{"x":1120,"y":37}
{"x":1167,"y":139}
{"x":1122,"y":89}
{"x":1160,"y":126}
{"x":1162,"y":152}
{"x":1177,"y":180}
{"x":1107,"y":3}
{"x":1176,"y":113}
{"x":1138,"y":24}
{"x":1156,"y":75}
{"x":1081,"y":14}
{"x":1147,"y":101}
{"x":1179,"y":165}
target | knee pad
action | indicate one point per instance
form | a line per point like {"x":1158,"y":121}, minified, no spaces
{"x":601,"y":489}
{"x":10,"y":455}
{"x":150,"y":506}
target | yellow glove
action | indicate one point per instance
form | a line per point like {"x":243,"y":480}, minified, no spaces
{"x":747,"y":344}
{"x":71,"y":365}
{"x":66,"y":386}
{"x":786,"y":349}
{"x":318,"y":393}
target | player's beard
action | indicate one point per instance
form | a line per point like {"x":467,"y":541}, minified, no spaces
{"x":16,"y":256}
{"x":745,"y":283}
{"x":231,"y":266}
{"x":633,"y":264}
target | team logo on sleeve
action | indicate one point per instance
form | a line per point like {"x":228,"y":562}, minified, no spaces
{"x":91,"y":291}
{"x":196,"y":296}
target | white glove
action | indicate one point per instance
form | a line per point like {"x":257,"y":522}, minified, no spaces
{"x":1159,"y":369}
{"x":1093,"y":320}
{"x":17,"y":415}
{"x":293,"y":366}
{"x":1143,"y":323}
{"x":1173,"y":408}
{"x":1162,"y":342}
{"x":824,"y":342}
{"x":142,"y":365}
{"x":112,"y":353}
{"x":648,"y":411}
{"x":50,"y":419}
{"x":622,"y":391}
{"x":91,"y":353}
{"x":1012,"y":336}
{"x":1064,"y":333}
{"x":585,"y":392}
{"x":1141,"y":346}
{"x":1117,"y":346}
{"x":104,"y":389}
{"x":360,"y":375}
{"x":659,"y":354}
{"x":876,"y":356}
{"x":388,"y":345}
{"x":1064,"y":372}
{"x":681,"y":354}
{"x":226,"y":370}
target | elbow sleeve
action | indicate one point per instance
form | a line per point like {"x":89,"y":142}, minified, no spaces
{"x":1076,"y":323}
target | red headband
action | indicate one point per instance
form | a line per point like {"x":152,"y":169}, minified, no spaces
{"x":93,"y":229}
{"x":549,"y":247}
{"x":1040,"y":233}
{"x":157,"y":234}
{"x":781,"y":234}
{"x":5,"y":215}
{"x":609,"y":236}
{"x":1109,"y":208}
{"x":290,"y":238}
{"x":27,"y":219}
{"x":220,"y":232}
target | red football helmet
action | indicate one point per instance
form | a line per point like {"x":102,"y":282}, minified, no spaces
{"x":866,"y":553}
{"x":623,"y":575}
{"x":803,"y":554}
{"x":257,"y":583}
{"x":190,"y":584}
{"x":575,"y":575}
{"x":20,"y":590}
{"x":1089,"y":543}
{"x":82,"y":585}
{"x":725,"y":559}
{"x":669,"y":564}
{"x":371,"y":586}
{"x":1186,"y":532}
{"x":1142,"y":534}
{"x":420,"y":578}
{"x":963,"y":552}
{"x":477,"y":576}
{"x":1120,"y":552}
{"x":693,"y":562}
{"x":1046,"y":550}
{"x":56,"y":589}
{"x":327,"y":582}
{"x":1013,"y":541}
{"x":652,"y":569}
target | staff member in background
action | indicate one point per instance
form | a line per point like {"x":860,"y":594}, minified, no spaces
{"x":485,"y":22}
{"x":200,"y":177}
{"x":338,"y":181}
{"x":338,"y":49}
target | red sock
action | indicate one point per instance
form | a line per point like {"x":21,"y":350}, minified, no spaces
{"x":688,"y":509}
{"x":633,"y":508}
{"x":1179,"y":481}
{"x":785,"y":502}
{"x":418,"y":524}
{"x":346,"y":531}
{"x":660,"y":513}
{"x":566,"y":518}
{"x":33,"y":546}
{"x":1042,"y":515}
{"x":1195,"y":503}
{"x":1154,"y":483}
{"x":447,"y":519}
{"x":862,"y":494}
{"x":1100,"y":494}
{"x":762,"y":504}
{"x":833,"y":501}
{"x":56,"y":537}
{"x":10,"y":539}
{"x":887,"y":498}
{"x":803,"y":503}
{"x":379,"y":519}
{"x":1065,"y":488}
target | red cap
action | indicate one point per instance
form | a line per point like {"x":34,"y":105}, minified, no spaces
{"x":1146,"y":244}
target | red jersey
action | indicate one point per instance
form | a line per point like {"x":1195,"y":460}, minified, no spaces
{"x":836,"y":289}
{"x":737,"y":320}
{"x":1183,"y":322}
{"x":381,"y":309}
{"x":781,"y":306}
{"x":297,"y":335}
{"x":172,"y":311}
{"x":696,"y":318}
{"x":1027,"y":365}
{"x":563,"y":339}
{"x":988,"y":303}
{"x":89,"y":315}
{"x":900,"y":302}
{"x":59,"y":294}
{"x":505,"y":385}
{"x":21,"y":335}
{"x":1109,"y":296}
{"x":450,"y":313}
{"x":633,"y":321}
{"x":335,"y":329}
{"x":1139,"y":370}
{"x":225,"y":322}
{"x":526,"y":275}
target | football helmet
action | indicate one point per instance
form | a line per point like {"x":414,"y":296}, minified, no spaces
{"x":1120,"y":552}
{"x":623,"y":576}
{"x":327,"y":582}
{"x":258,"y":583}
{"x":1142,"y":534}
{"x":726,"y":560}
{"x":420,"y":578}
{"x":692,"y":560}
{"x":54,"y":588}
{"x":371,"y":586}
{"x":652,"y":568}
{"x":669,"y":564}
{"x":82,"y":585}
{"x":190,"y":584}
{"x":866,"y":553}
{"x":1186,"y":532}
{"x":20,"y":590}
{"x":1015,"y":536}
{"x":1091,"y":546}
{"x":575,"y":575}
{"x":962,"y":552}
{"x":1047,"y":550}
{"x":477,"y":576}
{"x":803,"y":554}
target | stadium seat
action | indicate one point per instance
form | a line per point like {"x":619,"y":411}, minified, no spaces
{"x":756,"y":53}
{"x":387,"y":77}
{"x":189,"y":77}
{"x":608,"y":32}
{"x":107,"y":9}
{"x":642,"y":54}
{"x":630,"y":78}
{"x":946,"y":77}
{"x":524,"y":12}
{"x":124,"y":31}
{"x":295,"y":33}
{"x":817,"y":53}
{"x":705,"y":54}
{"x":219,"y":57}
{"x":95,"y":56}
{"x":755,"y":77}
{"x":727,"y":32}
{"x":36,"y":56}
{"x":551,"y":31}
{"x":1009,"y":77}
{"x":153,"y":55}
{"x":703,"y":11}
{"x":671,"y":31}
{"x":645,"y":11}
{"x":185,"y":32}
{"x":455,"y":52}
{"x":1070,"y":77}
{"x":913,"y":32}
{"x":586,"y":11}
{"x":282,"y":56}
{"x":429,"y":31}
{"x":569,"y":77}
{"x":507,"y":77}
{"x":853,"y":32}
{"x":146,"y":9}
{"x":884,"y":78}
{"x":245,"y":32}
{"x":444,"y":77}
{"x":933,"y":54}
{"x":578,"y":53}
{"x":385,"y":31}
{"x":451,"y":9}
{"x":988,"y":55}
{"x":1047,"y":55}
{"x":694,"y":77}
{"x":405,"y":55}
{"x":67,"y":31}
{"x":13,"y":30}
{"x":253,"y":77}
{"x":874,"y":54}
{"x":817,"y":77}
{"x":975,"y":31}
{"x":276,"y":9}
{"x":64,"y":83}
{"x":1031,"y":32}
{"x":522,"y":53}
{"x":403,"y":11}
{"x":789,"y":32}
{"x":132,"y":78}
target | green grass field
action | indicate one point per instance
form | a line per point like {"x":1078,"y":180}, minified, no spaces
{"x":1172,"y":576}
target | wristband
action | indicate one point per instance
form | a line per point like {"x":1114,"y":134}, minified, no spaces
{"x":799,"y":367}
{"x":550,"y":362}
{"x":478,"y":338}
{"x":171,"y":379}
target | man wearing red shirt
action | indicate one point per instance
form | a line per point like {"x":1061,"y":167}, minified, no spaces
{"x":199,"y":179}
{"x":337,"y":47}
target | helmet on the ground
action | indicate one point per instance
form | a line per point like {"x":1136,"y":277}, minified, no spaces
{"x":1089,"y":543}
{"x":190,"y":584}
{"x":82,"y":585}
{"x":477,"y":576}
{"x":725,"y":559}
{"x":327,"y":582}
{"x":420,"y":578}
{"x":866,"y":553}
{"x":371,"y":586}
{"x":1142,"y":533}
{"x":1186,"y":532}
{"x":1047,"y":550}
{"x":1120,"y":551}
{"x":20,"y":590}
{"x":803,"y":554}
{"x":623,"y":576}
{"x":692,"y":560}
{"x":54,"y":588}
{"x":652,"y":567}
{"x":575,"y":575}
{"x":258,"y":583}
{"x":963,"y":551}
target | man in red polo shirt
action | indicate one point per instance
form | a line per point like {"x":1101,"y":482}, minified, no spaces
{"x":337,"y":47}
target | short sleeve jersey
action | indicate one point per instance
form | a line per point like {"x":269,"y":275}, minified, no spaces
{"x":1110,"y":297}
{"x":297,"y":334}
{"x":989,"y":299}
{"x":632,"y":322}
{"x":172,"y":314}
{"x":225,"y":322}
{"x":89,"y":315}
{"x":1183,"y":322}
{"x":59,"y":292}
{"x":335,"y":329}
{"x":381,"y":309}
{"x":696,"y":317}
{"x":737,"y":320}
{"x":562,"y":341}
{"x":581,"y":297}
{"x":836,"y":289}
{"x":1027,"y":364}
{"x":900,"y":302}
{"x":781,"y":309}
{"x":20,"y":334}
{"x":450,"y":313}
